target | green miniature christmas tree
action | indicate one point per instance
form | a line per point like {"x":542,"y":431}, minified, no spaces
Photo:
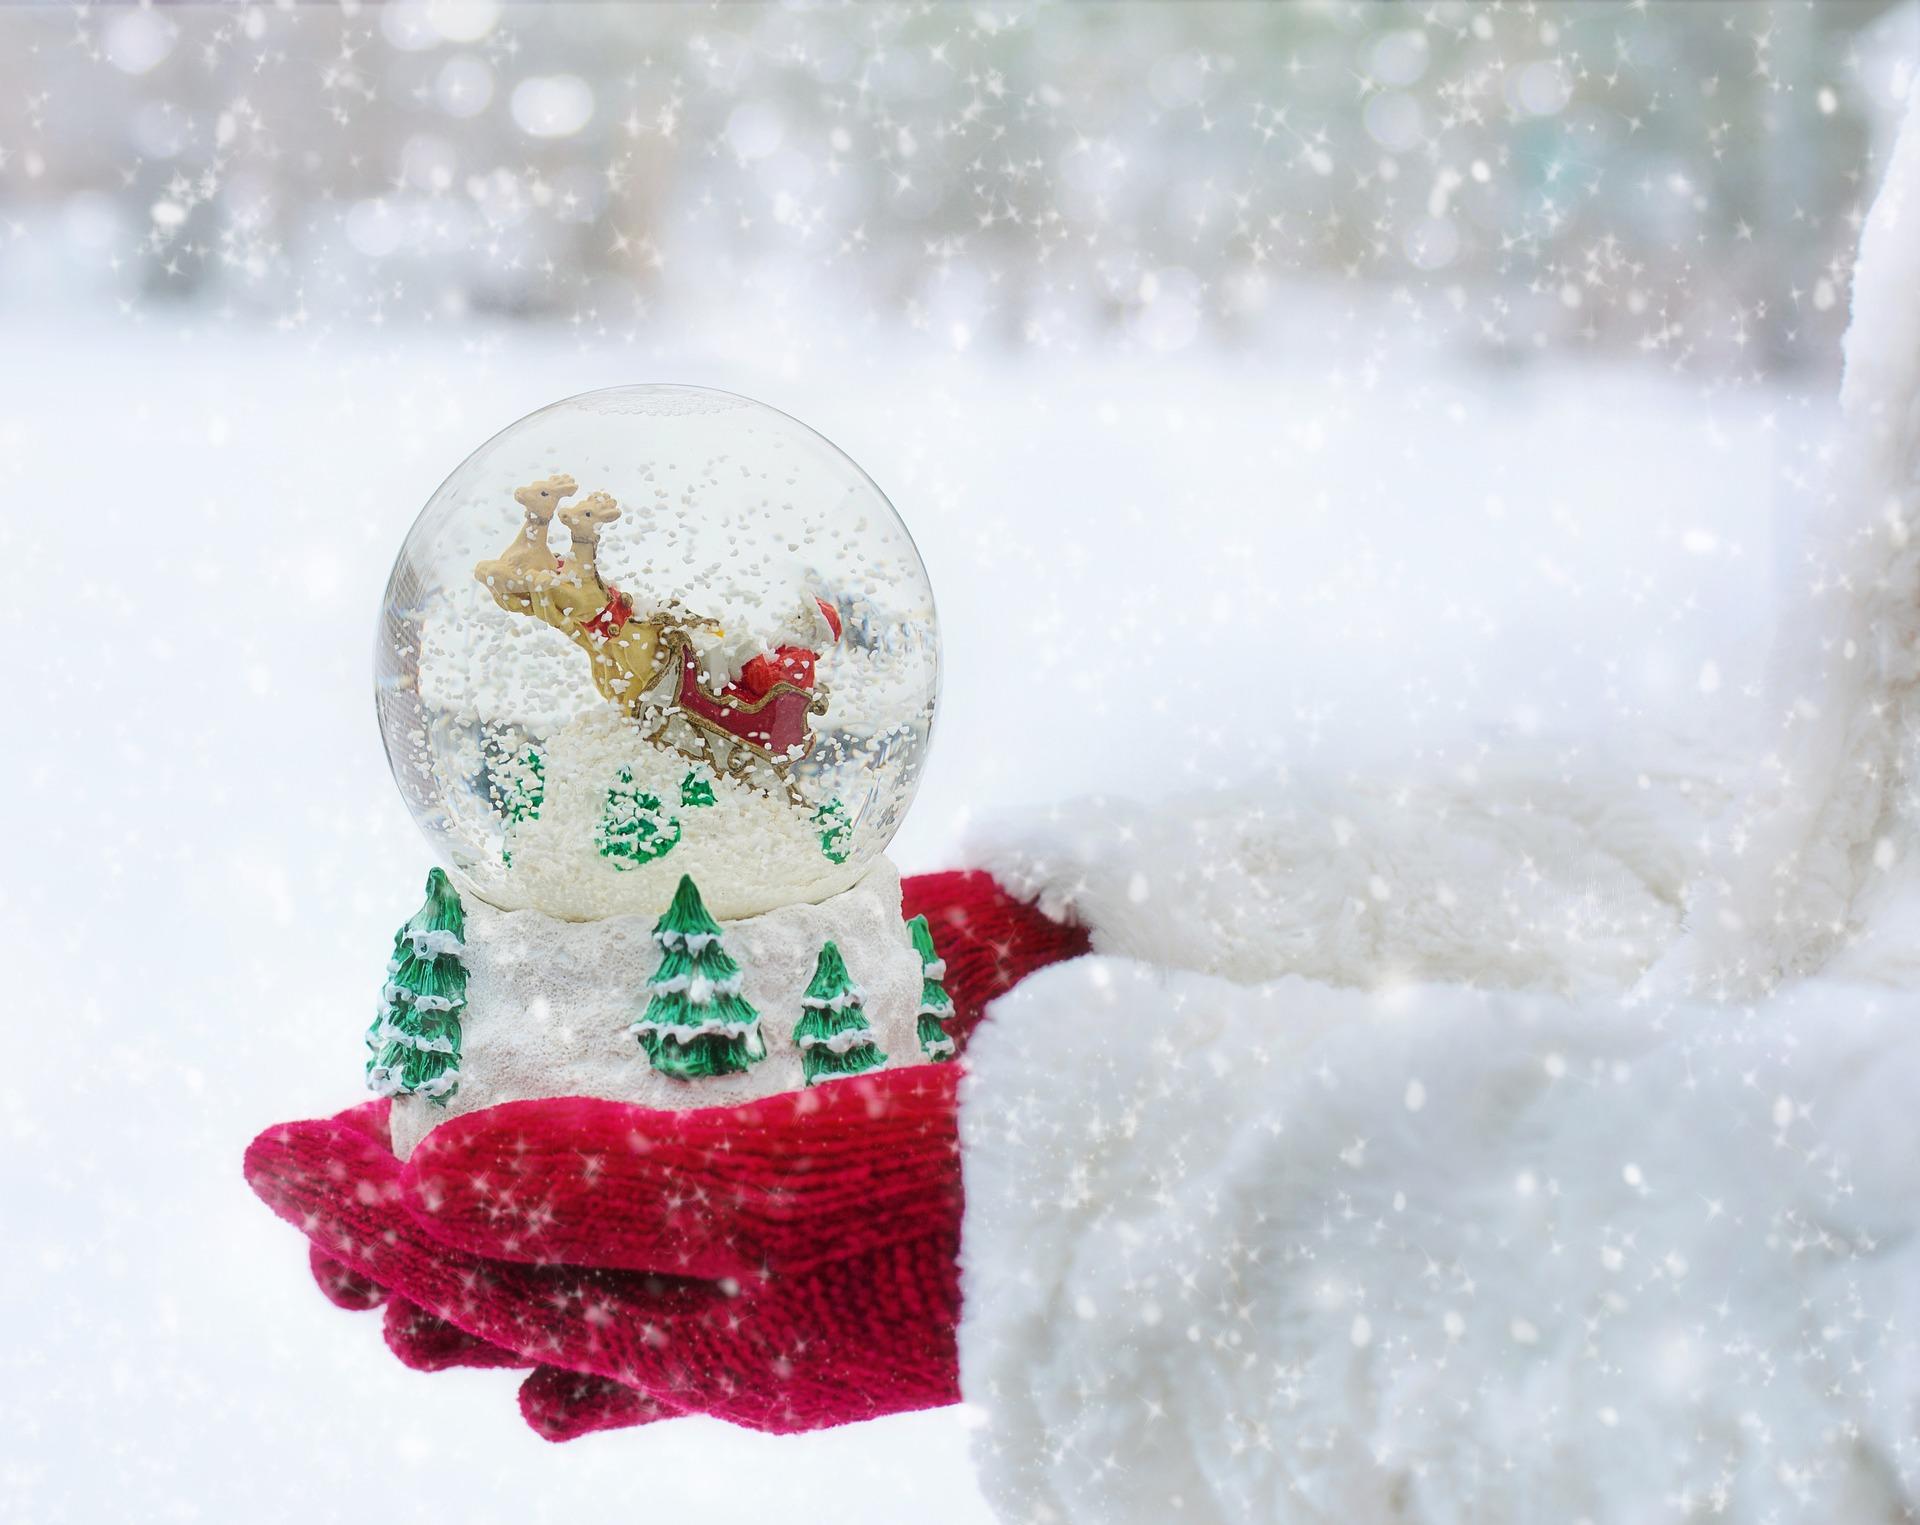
{"x":695,"y":791}
{"x":836,"y":831}
{"x":525,"y":788}
{"x":521,"y":789}
{"x":833,"y":1036}
{"x":936,"y":1006}
{"x":415,"y":1041}
{"x":697,"y":1022}
{"x":633,"y":830}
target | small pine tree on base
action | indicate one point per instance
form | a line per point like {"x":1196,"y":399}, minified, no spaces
{"x":833,"y":1035}
{"x":696,"y":1023}
{"x":936,"y":1006}
{"x":415,"y":1041}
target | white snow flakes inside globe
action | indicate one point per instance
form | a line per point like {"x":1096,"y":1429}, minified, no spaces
{"x":654,"y":631}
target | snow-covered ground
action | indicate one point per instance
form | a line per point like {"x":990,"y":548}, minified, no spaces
{"x":1151,"y":574}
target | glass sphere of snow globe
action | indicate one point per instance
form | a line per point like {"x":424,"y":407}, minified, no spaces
{"x":654,"y":631}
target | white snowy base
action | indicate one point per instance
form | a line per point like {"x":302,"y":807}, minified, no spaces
{"x":549,"y":1002}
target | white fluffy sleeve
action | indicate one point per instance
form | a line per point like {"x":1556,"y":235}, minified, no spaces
{"x":1287,"y":1252}
{"x":1546,"y":870}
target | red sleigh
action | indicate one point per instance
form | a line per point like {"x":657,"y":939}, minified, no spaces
{"x":734,"y":729}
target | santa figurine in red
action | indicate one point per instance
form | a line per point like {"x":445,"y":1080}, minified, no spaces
{"x":794,"y":660}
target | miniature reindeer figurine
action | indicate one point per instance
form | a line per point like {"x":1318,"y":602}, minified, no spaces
{"x":529,"y":552}
{"x":569,"y":595}
{"x":584,"y":521}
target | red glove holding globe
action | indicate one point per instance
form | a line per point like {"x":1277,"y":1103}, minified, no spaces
{"x":786,"y":1264}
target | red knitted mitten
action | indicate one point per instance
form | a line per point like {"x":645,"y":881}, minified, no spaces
{"x":867,"y":1333}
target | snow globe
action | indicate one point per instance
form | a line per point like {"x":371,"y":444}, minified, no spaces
{"x":656,"y":671}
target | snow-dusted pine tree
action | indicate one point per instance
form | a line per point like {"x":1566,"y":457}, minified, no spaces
{"x":415,"y":1041}
{"x":936,"y":1006}
{"x":523,"y":786}
{"x":833,"y":1036}
{"x":696,"y":1022}
{"x":836,"y":832}
{"x":633,"y":828}
{"x":520,"y":789}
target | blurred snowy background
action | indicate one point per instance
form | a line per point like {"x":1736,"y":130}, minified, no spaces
{"x":1330,"y":386}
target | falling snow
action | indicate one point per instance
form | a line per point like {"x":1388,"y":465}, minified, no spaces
{"x":1366,"y":450}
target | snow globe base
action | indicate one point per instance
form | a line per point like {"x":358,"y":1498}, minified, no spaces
{"x":551,"y":1004}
